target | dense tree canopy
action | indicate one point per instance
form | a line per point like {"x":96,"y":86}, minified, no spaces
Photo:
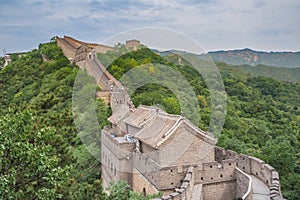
{"x":2,"y":61}
{"x":42,"y":157}
{"x":262,"y":113}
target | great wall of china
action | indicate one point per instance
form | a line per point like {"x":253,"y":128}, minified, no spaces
{"x":227,"y":175}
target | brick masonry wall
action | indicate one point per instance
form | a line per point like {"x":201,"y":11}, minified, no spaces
{"x":68,"y":50}
{"x":116,"y":159}
{"x":215,"y":172}
{"x":171,"y":177}
{"x":103,"y":49}
{"x":243,"y":184}
{"x":254,"y":166}
{"x":147,"y":167}
{"x":141,"y":184}
{"x":185,"y":191}
{"x":109,"y":159}
{"x":219,"y":190}
{"x":217,"y":178}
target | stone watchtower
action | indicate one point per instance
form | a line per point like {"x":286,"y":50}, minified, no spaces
{"x":155,"y":151}
{"x":132,"y":44}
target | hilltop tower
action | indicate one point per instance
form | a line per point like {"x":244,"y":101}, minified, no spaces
{"x":155,"y":151}
{"x":133,"y":44}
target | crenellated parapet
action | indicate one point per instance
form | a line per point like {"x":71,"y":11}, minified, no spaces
{"x":253,"y":166}
{"x":69,"y":49}
{"x":76,"y":50}
{"x":89,"y":44}
{"x":185,"y":191}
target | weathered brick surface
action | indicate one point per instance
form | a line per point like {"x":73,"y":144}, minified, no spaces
{"x":256,"y":167}
{"x":219,"y":191}
{"x":141,"y":184}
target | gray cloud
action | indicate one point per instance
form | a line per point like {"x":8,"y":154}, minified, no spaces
{"x":215,"y":24}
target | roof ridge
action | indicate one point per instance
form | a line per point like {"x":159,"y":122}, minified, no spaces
{"x":167,"y":135}
{"x":207,"y":136}
{"x":146,"y":119}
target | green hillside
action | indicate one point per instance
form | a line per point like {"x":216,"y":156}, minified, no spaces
{"x":43,"y":158}
{"x":263,"y":114}
{"x":254,"y":58}
{"x":278,"y":73}
{"x":245,"y":71}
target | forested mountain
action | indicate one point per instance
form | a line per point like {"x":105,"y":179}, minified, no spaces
{"x":278,"y":73}
{"x":254,"y":58}
{"x":41,"y":155}
{"x":288,"y":74}
{"x":263,"y":114}
{"x":245,"y":71}
{"x":43,"y":158}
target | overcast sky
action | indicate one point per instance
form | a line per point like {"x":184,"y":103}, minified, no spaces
{"x":272,"y":25}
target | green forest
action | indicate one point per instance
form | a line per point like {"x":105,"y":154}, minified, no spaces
{"x":42,"y":157}
{"x":263,"y":114}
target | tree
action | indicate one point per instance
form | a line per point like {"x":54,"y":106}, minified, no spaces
{"x":29,"y":165}
{"x":280,"y":155}
{"x":2,"y":61}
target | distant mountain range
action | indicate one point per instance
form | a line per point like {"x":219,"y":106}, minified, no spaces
{"x":254,"y":58}
{"x":248,"y":57}
{"x":283,"y":66}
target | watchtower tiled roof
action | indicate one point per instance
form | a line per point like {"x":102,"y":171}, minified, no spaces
{"x":158,"y":128}
{"x":121,"y":112}
{"x":141,"y":116}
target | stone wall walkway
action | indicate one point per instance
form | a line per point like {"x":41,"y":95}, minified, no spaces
{"x":260,"y":189}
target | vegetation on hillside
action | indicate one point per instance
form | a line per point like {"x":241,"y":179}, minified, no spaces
{"x":2,"y":61}
{"x":263,"y":114}
{"x":291,"y":75}
{"x":286,"y":74}
{"x":254,"y":58}
{"x":41,"y":155}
